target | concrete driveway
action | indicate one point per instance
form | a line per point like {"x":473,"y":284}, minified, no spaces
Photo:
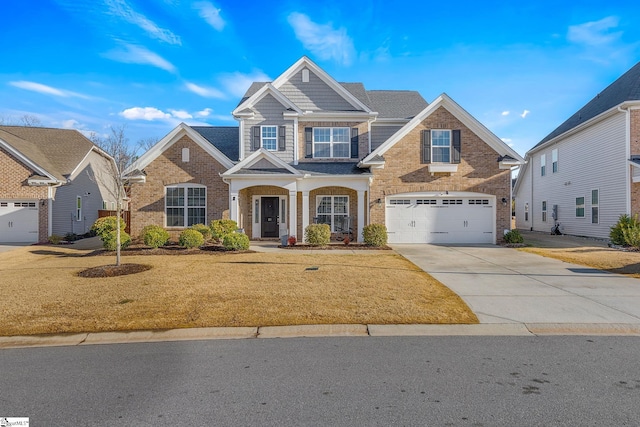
{"x":6,"y":247}
{"x":503,"y":285}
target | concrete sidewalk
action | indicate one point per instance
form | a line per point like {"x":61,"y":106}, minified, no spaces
{"x":503,"y":285}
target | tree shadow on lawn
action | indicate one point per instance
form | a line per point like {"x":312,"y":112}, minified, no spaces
{"x":307,"y":264}
{"x":57,"y":253}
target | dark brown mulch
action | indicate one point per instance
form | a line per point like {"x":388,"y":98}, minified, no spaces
{"x":137,"y":249}
{"x":113,"y":270}
{"x":337,"y":246}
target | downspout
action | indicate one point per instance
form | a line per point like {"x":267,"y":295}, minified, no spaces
{"x":531,"y":205}
{"x":240,"y":138}
{"x":627,"y":137}
{"x":369,"y":132}
{"x":295,"y":141}
{"x":50,"y":208}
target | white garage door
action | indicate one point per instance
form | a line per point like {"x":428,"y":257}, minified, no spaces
{"x":18,"y":221}
{"x":447,"y":219}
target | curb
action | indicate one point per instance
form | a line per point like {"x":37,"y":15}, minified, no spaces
{"x":299,"y":331}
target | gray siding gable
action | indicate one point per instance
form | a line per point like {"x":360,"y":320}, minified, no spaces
{"x":314,"y":95}
{"x":268,"y":111}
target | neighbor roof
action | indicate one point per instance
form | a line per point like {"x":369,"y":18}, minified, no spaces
{"x":57,"y":151}
{"x":625,"y":88}
{"x":224,"y":138}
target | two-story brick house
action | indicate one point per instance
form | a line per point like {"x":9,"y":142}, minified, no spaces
{"x":309,"y":149}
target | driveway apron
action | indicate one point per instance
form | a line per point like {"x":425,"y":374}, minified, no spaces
{"x":503,"y":285}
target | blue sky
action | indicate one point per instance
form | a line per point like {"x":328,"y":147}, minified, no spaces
{"x":519,"y":68}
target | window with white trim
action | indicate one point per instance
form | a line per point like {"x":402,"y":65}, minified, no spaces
{"x":554,"y":160}
{"x":440,"y":146}
{"x":79,"y":208}
{"x":544,"y":211}
{"x":543,"y":165}
{"x":526,"y":211}
{"x":269,"y":137}
{"x":579,"y":207}
{"x":185,"y":205}
{"x":332,"y":210}
{"x":595,"y":206}
{"x":331,"y":142}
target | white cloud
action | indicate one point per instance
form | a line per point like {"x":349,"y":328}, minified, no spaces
{"x":211,"y":14}
{"x":207,"y":92}
{"x":134,"y":54}
{"x":203,"y":113}
{"x":47,"y":90}
{"x":70,"y":124}
{"x":121,"y":9}
{"x":237,"y":83}
{"x":323,"y":40}
{"x":181,"y":114}
{"x":595,"y":33}
{"x":144,"y":113}
{"x":525,"y":113}
{"x":506,"y":113}
{"x":507,"y":141}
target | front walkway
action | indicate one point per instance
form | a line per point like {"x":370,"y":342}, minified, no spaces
{"x":503,"y":285}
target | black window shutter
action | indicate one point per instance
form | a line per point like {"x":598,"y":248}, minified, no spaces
{"x":426,"y":146}
{"x":255,"y":143}
{"x":308,"y":143}
{"x":456,"y":146}
{"x":282,"y":141}
{"x":354,"y":143}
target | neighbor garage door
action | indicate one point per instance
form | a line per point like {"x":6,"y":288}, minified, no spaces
{"x":18,"y":221}
{"x":449,"y":219}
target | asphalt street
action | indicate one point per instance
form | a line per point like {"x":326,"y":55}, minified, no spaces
{"x":350,"y":381}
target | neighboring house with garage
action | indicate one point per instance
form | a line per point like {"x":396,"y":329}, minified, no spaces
{"x":52,"y":181}
{"x":586,"y":173}
{"x":309,"y":149}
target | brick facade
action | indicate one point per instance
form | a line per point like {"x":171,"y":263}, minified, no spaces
{"x":478,"y":170}
{"x":13,"y":185}
{"x":634,"y":133}
{"x":148,"y":199}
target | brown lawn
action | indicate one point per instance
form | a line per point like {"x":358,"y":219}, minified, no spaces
{"x":42,"y":293}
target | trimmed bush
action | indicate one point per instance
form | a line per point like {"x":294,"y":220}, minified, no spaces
{"x":71,"y":237}
{"x":222,"y":227}
{"x":513,"y":236}
{"x":375,"y":234}
{"x":317,"y":234}
{"x":190,"y":238}
{"x":631,"y":235}
{"x":236,"y":242}
{"x":106,"y":224}
{"x":109,"y":240}
{"x":154,"y":236}
{"x":202,"y":229}
{"x":617,"y":231}
{"x":54,"y":239}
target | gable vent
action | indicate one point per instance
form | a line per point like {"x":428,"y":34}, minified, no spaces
{"x":305,"y":76}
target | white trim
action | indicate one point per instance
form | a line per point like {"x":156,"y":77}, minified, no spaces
{"x":27,"y":161}
{"x":186,"y":186}
{"x":597,"y":205}
{"x":331,"y":142}
{"x":458,"y":112}
{"x":267,"y":89}
{"x":262,"y":137}
{"x":333,"y":214}
{"x":257,"y":156}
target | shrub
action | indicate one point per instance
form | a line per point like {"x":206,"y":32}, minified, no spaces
{"x":375,"y":234}
{"x":222,"y":227}
{"x":202,"y":229}
{"x":106,"y":224}
{"x":236,"y":241}
{"x":617,"y":231}
{"x":631,"y":235}
{"x":190,"y":238}
{"x":71,"y":237}
{"x":513,"y":236}
{"x":154,"y":236}
{"x":317,"y":234}
{"x":54,"y":239}
{"x":109,"y":239}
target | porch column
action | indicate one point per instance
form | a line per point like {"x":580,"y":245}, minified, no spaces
{"x":293,"y":213}
{"x":305,"y":213}
{"x":233,"y":207}
{"x":361,"y":206}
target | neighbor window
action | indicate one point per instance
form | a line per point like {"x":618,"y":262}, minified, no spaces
{"x":544,"y":210}
{"x":526,"y":211}
{"x":595,"y":204}
{"x":333,"y":210}
{"x":440,"y":146}
{"x":332,"y":142}
{"x":79,"y":208}
{"x":185,"y":206}
{"x":543,"y":165}
{"x":269,"y":137}
{"x":554,"y":160}
{"x":580,"y":207}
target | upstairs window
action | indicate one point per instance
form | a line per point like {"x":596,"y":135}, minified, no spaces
{"x":269,"y":137}
{"x":543,"y":165}
{"x":331,"y":143}
{"x":440,"y":146}
{"x":554,"y":161}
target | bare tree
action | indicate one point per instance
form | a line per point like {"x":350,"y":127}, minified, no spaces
{"x":116,"y":144}
{"x":146,"y":143}
{"x":27,"y":120}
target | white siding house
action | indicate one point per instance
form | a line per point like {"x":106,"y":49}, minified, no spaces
{"x":580,"y":175}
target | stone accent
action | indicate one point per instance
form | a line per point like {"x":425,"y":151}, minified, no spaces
{"x":148,"y":199}
{"x":478,"y":170}
{"x":634,"y":133}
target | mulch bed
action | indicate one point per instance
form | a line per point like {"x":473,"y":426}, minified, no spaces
{"x":137,"y":249}
{"x":337,"y":246}
{"x":113,"y":270}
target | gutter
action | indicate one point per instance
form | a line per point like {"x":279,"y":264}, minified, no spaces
{"x":627,"y":143}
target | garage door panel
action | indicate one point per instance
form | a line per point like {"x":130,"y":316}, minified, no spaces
{"x":18,"y":221}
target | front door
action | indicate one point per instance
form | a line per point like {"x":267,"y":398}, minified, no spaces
{"x":269,"y":222}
